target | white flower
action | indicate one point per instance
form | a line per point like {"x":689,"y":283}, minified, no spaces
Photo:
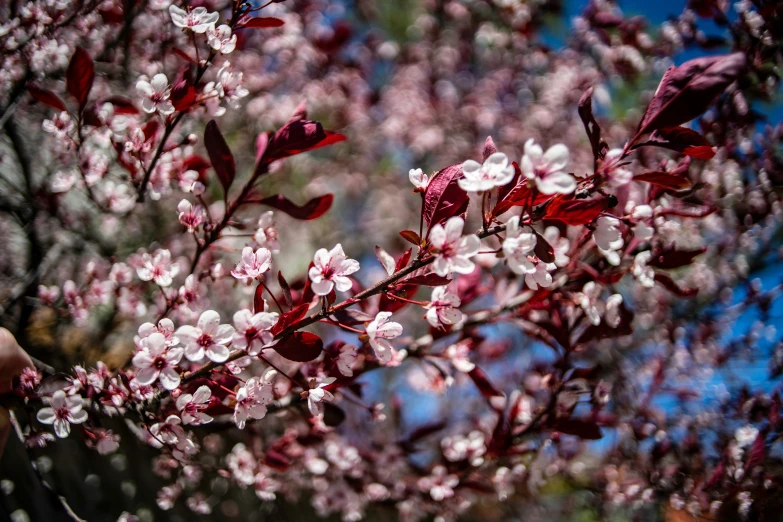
{"x":546,"y":168}
{"x":459,"y":355}
{"x":612,"y":314}
{"x":440,"y":484}
{"x":495,"y":172}
{"x":561,"y":246}
{"x":251,"y":401}
{"x":317,"y":395}
{"x":189,"y":215}
{"x":452,"y":250}
{"x":191,"y":406}
{"x":157,"y":362}
{"x":253,"y":264}
{"x":346,"y":359}
{"x":221,"y":39}
{"x":643,"y":273}
{"x":208,"y":337}
{"x":228,"y":87}
{"x":419,"y":180}
{"x":62,"y":412}
{"x":158,"y":268}
{"x":266,"y":235}
{"x":170,"y":431}
{"x":518,"y":246}
{"x":746,"y":435}
{"x":443,"y":308}
{"x":608,"y":238}
{"x":589,"y":302}
{"x":156,"y":94}
{"x":197,"y":20}
{"x":330,"y":269}
{"x":541,"y":276}
{"x":378,"y":331}
{"x":252,"y":330}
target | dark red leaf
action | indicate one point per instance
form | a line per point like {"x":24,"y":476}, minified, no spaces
{"x":521,"y":194}
{"x":220,"y":155}
{"x":79,"y":76}
{"x":664,"y":180}
{"x":506,"y":189}
{"x":670,"y":258}
{"x":258,"y":299}
{"x":685,"y":92}
{"x":402,"y":262}
{"x":431,"y":279}
{"x":543,"y":249}
{"x":262,"y":23}
{"x":444,"y":198}
{"x":756,"y":453}
{"x":46,"y":97}
{"x":296,"y":137}
{"x":182,"y":54}
{"x":195,"y":162}
{"x":285,"y":288}
{"x":681,"y":139}
{"x":411,"y":237}
{"x":673,"y":287}
{"x":592,"y":128}
{"x":575,"y":212}
{"x":583,"y":428}
{"x":487,"y":389}
{"x":300,"y":347}
{"x":333,"y":415}
{"x":289,"y":318}
{"x":183,"y":95}
{"x":313,"y":209}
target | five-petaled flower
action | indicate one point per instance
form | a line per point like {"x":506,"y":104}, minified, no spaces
{"x":495,"y":172}
{"x":546,"y":168}
{"x":253,"y":264}
{"x":156,"y":94}
{"x":158,"y":268}
{"x":378,"y":331}
{"x":221,"y":39}
{"x":252,"y":330}
{"x":317,"y":395}
{"x":198,"y":20}
{"x":157,"y":361}
{"x":62,"y":412}
{"x":518,"y":246}
{"x":252,"y":399}
{"x":330,"y":270}
{"x":209,"y":336}
{"x":443,"y":308}
{"x":191,"y":407}
{"x":452,"y":251}
{"x":189,"y":215}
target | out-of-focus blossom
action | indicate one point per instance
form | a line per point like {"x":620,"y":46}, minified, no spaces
{"x":518,"y":246}
{"x":266,"y":235}
{"x":158,"y":268}
{"x":221,"y":39}
{"x":317,"y":395}
{"x":443,"y":308}
{"x":419,"y":180}
{"x":156,"y":94}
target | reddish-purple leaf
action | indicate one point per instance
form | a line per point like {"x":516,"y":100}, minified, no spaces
{"x":575,"y":212}
{"x":489,"y":148}
{"x":262,"y":23}
{"x":258,"y":299}
{"x":487,"y":389}
{"x":300,"y":347}
{"x":79,"y":76}
{"x":46,"y":97}
{"x":685,"y":92}
{"x":402,"y":261}
{"x":543,"y":250}
{"x":664,"y":180}
{"x":431,"y":279}
{"x":673,"y":287}
{"x":284,"y":286}
{"x":520,"y":194}
{"x":681,"y":139}
{"x":183,"y":95}
{"x":313,"y":209}
{"x":592,"y":128}
{"x":220,"y":155}
{"x":411,"y":237}
{"x":583,"y":428}
{"x":444,"y":198}
{"x":670,"y":258}
{"x":185,"y":56}
{"x":296,"y":137}
{"x":289,"y":318}
{"x":195,"y":162}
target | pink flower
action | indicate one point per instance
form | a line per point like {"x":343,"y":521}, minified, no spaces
{"x":443,"y":308}
{"x":346,"y":359}
{"x":253,"y":264}
{"x":453,"y":251}
{"x":157,"y":361}
{"x":419,"y":180}
{"x":221,"y":39}
{"x":251,"y":401}
{"x":156,"y":94}
{"x":191,"y":406}
{"x":198,"y":20}
{"x":518,"y":247}
{"x":170,"y":431}
{"x":317,"y":395}
{"x":158,"y":268}
{"x":189,"y":215}
{"x":440,"y":484}
{"x":495,"y":172}
{"x":330,"y":270}
{"x":191,"y":293}
{"x":546,"y":168}
{"x":208,"y":337}
{"x":378,"y":331}
{"x":62,"y":412}
{"x":266,"y":234}
{"x":540,"y":276}
{"x":252,"y":330}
